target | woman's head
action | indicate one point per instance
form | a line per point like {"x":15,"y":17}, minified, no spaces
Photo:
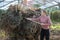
{"x":43,"y":12}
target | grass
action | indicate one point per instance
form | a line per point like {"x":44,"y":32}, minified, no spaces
{"x":56,"y":27}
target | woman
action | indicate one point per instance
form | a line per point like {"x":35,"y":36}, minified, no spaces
{"x":45,"y":24}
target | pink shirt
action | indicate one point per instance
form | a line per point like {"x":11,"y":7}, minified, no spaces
{"x":46,"y":20}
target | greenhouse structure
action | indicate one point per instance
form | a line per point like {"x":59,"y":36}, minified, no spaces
{"x":21,"y":19}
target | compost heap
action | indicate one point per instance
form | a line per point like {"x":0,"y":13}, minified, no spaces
{"x":16,"y":25}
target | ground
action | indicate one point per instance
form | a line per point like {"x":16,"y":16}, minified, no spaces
{"x":54,"y":34}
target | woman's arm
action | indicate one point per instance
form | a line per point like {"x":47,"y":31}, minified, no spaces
{"x":49,"y":21}
{"x":36,"y":19}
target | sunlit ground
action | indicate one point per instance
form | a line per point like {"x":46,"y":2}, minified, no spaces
{"x":55,"y":26}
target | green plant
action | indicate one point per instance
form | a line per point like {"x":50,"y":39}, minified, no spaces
{"x":55,"y":15}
